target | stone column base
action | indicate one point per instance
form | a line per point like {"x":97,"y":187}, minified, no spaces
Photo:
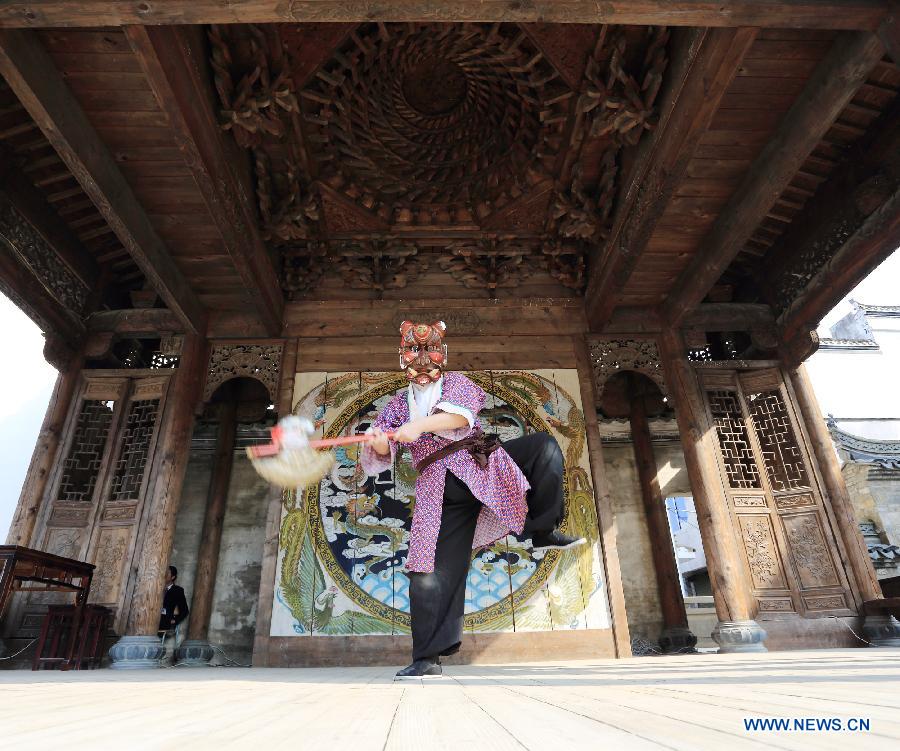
{"x":882,"y":630}
{"x":135,"y":652}
{"x":194,"y":653}
{"x":739,"y":636}
{"x":677,"y":640}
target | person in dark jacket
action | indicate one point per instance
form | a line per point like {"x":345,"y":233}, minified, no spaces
{"x":174,"y":607}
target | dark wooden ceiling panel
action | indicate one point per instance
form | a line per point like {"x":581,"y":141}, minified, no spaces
{"x":765,"y":87}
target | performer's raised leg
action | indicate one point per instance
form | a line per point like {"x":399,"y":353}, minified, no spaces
{"x":541,"y":461}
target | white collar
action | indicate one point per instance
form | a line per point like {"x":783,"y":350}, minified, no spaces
{"x":421,"y":399}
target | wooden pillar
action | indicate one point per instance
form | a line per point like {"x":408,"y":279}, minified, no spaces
{"x":45,"y":454}
{"x":676,"y":637}
{"x":867,"y":586}
{"x":196,"y":650}
{"x":605,"y":517}
{"x":140,"y":646}
{"x":736,"y":630}
{"x":284,"y":403}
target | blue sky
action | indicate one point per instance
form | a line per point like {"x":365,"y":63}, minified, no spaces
{"x":27,"y":380}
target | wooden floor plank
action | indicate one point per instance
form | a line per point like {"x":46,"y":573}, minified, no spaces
{"x":689,"y":702}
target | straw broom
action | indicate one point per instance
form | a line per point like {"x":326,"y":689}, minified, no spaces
{"x":292,"y":460}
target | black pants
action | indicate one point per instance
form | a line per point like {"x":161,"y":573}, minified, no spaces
{"x":437,"y":599}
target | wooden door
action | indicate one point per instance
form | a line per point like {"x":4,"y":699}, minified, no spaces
{"x":94,"y":499}
{"x":790,"y":550}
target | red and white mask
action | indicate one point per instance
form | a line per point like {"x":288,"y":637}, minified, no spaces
{"x":423,"y":354}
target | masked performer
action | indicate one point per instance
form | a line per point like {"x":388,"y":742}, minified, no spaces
{"x":471,"y":489}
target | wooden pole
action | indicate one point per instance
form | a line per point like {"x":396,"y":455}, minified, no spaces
{"x":208,"y":556}
{"x":140,"y":647}
{"x":736,"y":631}
{"x":867,"y":584}
{"x":676,"y":636}
{"x":605,"y":517}
{"x":45,"y":454}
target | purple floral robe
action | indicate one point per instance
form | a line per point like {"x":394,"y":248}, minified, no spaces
{"x":500,"y":486}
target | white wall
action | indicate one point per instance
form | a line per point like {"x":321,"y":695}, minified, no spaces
{"x":862,"y":388}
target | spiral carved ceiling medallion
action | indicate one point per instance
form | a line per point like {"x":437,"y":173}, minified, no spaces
{"x":486,"y":154}
{"x":456,"y":116}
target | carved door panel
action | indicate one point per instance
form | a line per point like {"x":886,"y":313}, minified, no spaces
{"x":93,"y":500}
{"x":789,"y":548}
{"x":71,"y":499}
{"x":124,"y":488}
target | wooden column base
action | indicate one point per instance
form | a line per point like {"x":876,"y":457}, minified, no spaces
{"x":194,"y":653}
{"x":677,"y":640}
{"x":136,"y":653}
{"x":739,"y":636}
{"x":882,"y":630}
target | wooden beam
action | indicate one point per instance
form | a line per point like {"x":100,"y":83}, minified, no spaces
{"x":810,"y":14}
{"x":872,"y":243}
{"x":37,"y":83}
{"x":731,"y":316}
{"x":20,"y":193}
{"x":832,"y":85}
{"x":851,"y":227}
{"x":174,"y":60}
{"x":889,"y":32}
{"x":135,"y":322}
{"x":707,"y":317}
{"x":27,"y":293}
{"x":704,"y":68}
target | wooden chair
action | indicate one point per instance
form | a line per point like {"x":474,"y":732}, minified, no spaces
{"x":57,"y":632}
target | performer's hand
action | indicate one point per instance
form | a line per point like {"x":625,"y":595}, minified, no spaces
{"x":408,"y":432}
{"x":380,"y":442}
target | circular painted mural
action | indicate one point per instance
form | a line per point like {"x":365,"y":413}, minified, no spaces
{"x":357,"y":526}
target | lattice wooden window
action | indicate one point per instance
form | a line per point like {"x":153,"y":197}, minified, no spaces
{"x":129,"y":469}
{"x":737,"y":454}
{"x":82,"y":465}
{"x":780,"y":452}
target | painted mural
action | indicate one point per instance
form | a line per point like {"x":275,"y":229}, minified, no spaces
{"x":343,"y":543}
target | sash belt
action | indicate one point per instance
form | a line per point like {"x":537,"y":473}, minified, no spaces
{"x":479,"y":445}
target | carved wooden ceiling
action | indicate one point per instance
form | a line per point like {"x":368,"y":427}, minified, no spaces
{"x":388,"y":154}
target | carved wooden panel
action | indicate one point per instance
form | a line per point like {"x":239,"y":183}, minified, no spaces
{"x":766,"y":570}
{"x":749,"y":501}
{"x":119,"y":512}
{"x":776,"y":605}
{"x":809,"y":551}
{"x":247,"y":360}
{"x":791,"y":502}
{"x":611,"y":356}
{"x":825,"y":602}
{"x":65,"y":542}
{"x":109,"y":558}
{"x":69,"y":514}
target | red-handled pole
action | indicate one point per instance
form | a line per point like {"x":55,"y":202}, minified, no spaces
{"x":270,"y":449}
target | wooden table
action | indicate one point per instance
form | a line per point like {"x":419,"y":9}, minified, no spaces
{"x":27,"y":570}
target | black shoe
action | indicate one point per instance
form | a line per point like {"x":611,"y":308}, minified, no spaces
{"x":555,"y":540}
{"x":425,"y":668}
